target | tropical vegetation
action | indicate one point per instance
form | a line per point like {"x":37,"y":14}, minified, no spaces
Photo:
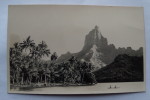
{"x":28,"y":68}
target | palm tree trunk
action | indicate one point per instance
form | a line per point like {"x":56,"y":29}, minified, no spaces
{"x":41,"y":79}
{"x":13,"y":81}
{"x":27,"y":81}
{"x":38,"y":80}
{"x":49,"y":78}
{"x":82,"y":77}
{"x":22,"y":79}
{"x":17,"y":77}
{"x":45,"y":79}
{"x":30,"y":79}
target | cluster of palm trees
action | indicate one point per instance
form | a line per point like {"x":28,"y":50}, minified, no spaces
{"x":27,"y":68}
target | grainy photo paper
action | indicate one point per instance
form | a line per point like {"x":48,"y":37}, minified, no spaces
{"x":75,"y":49}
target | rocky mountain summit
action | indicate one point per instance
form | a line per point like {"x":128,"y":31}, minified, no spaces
{"x":97,"y":50}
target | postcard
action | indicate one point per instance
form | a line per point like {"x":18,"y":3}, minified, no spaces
{"x":75,"y":49}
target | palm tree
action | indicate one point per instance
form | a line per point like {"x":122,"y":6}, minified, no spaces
{"x":46,"y":74}
{"x":41,"y":72}
{"x":54,"y":56}
{"x":28,"y":43}
{"x":66,"y":71}
{"x":25,"y":68}
{"x":37,"y":53}
{"x":15,"y":63}
{"x":73,"y":73}
{"x":43,"y":49}
{"x":83,"y":71}
{"x":12,"y":65}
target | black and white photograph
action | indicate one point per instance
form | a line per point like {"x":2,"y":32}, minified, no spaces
{"x":75,"y":49}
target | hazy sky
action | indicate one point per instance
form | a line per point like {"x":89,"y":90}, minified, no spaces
{"x":64,"y":28}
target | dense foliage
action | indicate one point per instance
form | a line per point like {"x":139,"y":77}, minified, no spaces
{"x":27,"y":68}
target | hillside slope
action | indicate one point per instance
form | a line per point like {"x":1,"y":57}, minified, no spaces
{"x":124,"y":68}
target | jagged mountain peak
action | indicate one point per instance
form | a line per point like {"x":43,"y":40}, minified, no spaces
{"x":95,"y":33}
{"x":97,"y":50}
{"x":94,"y":37}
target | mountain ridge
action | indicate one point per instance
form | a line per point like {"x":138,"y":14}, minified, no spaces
{"x":106,"y":53}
